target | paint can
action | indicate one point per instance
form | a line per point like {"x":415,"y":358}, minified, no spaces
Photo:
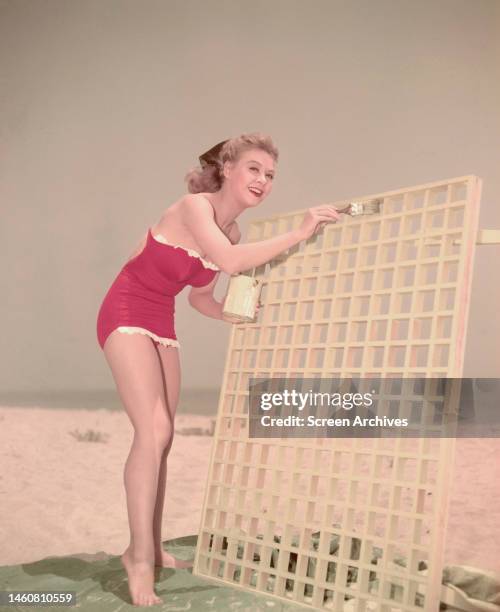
{"x":241,"y":300}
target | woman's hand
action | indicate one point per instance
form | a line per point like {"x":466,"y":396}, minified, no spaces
{"x":316,"y":217}
{"x":258,"y":306}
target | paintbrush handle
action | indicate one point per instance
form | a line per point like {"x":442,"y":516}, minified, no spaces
{"x":346,"y":210}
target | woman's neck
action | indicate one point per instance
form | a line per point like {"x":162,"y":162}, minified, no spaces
{"x":226,"y":208}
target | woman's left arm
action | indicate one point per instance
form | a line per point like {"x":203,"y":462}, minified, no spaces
{"x":202,"y":298}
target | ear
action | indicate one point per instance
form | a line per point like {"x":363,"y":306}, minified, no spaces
{"x":227,"y":168}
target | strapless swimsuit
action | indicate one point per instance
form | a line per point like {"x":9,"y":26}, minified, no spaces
{"x":141,"y":299}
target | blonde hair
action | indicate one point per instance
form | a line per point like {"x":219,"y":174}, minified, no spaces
{"x":210,"y":177}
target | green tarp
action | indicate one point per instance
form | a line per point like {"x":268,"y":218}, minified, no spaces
{"x":100,"y":583}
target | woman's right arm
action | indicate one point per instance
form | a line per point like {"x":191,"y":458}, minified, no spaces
{"x":198,"y":217}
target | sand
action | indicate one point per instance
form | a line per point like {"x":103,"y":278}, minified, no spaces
{"x":60,"y":495}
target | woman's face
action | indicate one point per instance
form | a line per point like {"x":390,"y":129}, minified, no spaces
{"x":250,"y":178}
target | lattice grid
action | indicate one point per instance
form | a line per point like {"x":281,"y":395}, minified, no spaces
{"x":345,"y":524}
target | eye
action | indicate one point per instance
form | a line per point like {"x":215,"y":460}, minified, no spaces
{"x":270,"y":176}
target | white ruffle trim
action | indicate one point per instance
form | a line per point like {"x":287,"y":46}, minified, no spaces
{"x":146,"y":332}
{"x":192,"y":252}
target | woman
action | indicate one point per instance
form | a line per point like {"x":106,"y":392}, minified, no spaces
{"x":135,"y":325}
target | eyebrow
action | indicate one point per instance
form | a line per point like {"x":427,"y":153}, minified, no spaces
{"x":254,"y":161}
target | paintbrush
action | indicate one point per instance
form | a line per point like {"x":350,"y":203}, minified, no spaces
{"x":355,"y":209}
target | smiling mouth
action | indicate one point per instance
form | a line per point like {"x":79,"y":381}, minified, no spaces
{"x":256,"y":192}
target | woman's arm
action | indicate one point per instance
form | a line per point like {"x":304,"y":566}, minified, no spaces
{"x":202,"y":299}
{"x":207,"y":305}
{"x":198,"y":216}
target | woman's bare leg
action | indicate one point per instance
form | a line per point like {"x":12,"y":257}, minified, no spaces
{"x":169,"y":357}
{"x":137,"y":372}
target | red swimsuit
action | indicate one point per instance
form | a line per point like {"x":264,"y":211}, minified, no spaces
{"x":142,"y":296}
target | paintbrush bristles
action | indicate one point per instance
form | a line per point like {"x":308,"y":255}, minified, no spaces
{"x":354,"y":209}
{"x":365,"y":208}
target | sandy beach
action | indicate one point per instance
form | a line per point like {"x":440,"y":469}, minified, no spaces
{"x":61,"y":486}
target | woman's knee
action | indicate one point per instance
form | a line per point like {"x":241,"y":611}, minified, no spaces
{"x":169,"y":443}
{"x":153,"y":437}
{"x":163,"y":429}
{"x":164,"y":440}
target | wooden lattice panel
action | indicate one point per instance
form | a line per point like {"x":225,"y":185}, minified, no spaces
{"x":345,"y":524}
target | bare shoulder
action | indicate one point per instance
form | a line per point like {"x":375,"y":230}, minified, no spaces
{"x":196,"y":207}
{"x":195,"y":204}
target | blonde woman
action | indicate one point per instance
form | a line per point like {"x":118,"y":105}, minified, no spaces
{"x":195,"y":239}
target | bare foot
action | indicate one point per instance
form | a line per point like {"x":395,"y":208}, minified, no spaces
{"x":140,"y":581}
{"x":165,"y":559}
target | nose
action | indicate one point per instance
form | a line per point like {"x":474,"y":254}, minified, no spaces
{"x":262,"y":178}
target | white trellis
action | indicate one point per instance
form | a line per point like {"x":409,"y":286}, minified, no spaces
{"x":323,"y":522}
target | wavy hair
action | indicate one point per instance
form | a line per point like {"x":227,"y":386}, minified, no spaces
{"x":210,"y":178}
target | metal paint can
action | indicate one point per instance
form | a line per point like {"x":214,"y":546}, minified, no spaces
{"x":241,"y":300}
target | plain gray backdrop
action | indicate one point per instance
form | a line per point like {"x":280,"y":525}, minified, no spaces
{"x":105,"y":105}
